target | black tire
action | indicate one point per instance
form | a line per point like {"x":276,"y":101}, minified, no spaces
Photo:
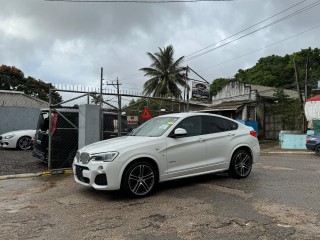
{"x":241,"y":164}
{"x":24,"y":143}
{"x":139,"y":179}
{"x":317,"y":150}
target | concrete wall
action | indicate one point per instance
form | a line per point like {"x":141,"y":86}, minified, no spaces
{"x":292,"y":141}
{"x":234,"y":91}
{"x":18,"y":118}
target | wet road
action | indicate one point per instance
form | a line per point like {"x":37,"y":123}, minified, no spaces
{"x":280,"y":200}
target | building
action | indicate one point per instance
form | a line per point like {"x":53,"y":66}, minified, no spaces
{"x":19,"y":111}
{"x":247,"y":103}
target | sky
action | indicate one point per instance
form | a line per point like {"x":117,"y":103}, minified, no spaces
{"x":67,"y":43}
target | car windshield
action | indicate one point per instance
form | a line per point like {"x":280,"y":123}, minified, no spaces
{"x":155,"y":127}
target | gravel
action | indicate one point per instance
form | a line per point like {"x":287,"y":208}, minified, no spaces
{"x":14,"y":161}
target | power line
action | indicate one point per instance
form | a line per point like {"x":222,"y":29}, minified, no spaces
{"x":310,"y":29}
{"x":272,"y":44}
{"x":264,"y":20}
{"x":263,"y":27}
{"x":138,"y":1}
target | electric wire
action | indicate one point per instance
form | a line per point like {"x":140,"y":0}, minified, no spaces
{"x":252,"y":32}
{"x":264,"y":20}
{"x":263,"y":27}
{"x":272,"y":44}
{"x":138,"y":1}
{"x":200,"y":53}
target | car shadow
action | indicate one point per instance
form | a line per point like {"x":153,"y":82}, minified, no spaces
{"x":162,"y":188}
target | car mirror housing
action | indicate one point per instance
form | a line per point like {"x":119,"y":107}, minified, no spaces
{"x":180,"y":132}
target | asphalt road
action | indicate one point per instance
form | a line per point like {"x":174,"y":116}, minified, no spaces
{"x":280,"y":200}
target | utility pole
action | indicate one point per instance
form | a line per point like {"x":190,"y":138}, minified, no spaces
{"x":101,"y":109}
{"x":306,"y":81}
{"x":297,"y":82}
{"x":306,"y":93}
{"x":187,"y":88}
{"x":119,"y":106}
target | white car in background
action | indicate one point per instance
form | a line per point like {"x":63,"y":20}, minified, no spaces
{"x":20,"y":139}
{"x":165,"y":148}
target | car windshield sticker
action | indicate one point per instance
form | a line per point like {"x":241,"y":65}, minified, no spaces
{"x":170,"y":123}
{"x":163,"y":126}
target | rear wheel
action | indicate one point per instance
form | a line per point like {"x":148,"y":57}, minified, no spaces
{"x":317,"y":150}
{"x":241,"y":164}
{"x":24,"y":143}
{"x":139,"y":179}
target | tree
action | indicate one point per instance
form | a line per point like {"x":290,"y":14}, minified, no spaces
{"x":272,"y":71}
{"x":12,"y":78}
{"x":278,"y":71}
{"x":165,"y":74}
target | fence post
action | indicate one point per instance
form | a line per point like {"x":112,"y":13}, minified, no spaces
{"x":50,"y":130}
{"x":120,"y":111}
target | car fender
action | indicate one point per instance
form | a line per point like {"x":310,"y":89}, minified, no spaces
{"x":239,"y":146}
{"x":138,"y":156}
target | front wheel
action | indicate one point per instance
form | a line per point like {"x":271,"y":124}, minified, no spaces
{"x":24,"y":143}
{"x":241,"y":164}
{"x":139,"y":179}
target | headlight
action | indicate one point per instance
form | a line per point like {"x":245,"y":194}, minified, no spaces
{"x":9,"y":136}
{"x":106,"y":157}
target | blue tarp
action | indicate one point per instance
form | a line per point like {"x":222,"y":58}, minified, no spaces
{"x":252,"y":124}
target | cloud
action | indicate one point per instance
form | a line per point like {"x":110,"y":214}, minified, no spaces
{"x":64,"y":42}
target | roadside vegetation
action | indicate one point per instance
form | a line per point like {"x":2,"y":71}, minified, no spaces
{"x":13,"y":79}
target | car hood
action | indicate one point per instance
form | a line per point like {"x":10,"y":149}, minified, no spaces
{"x":29,"y":132}
{"x":116,"y":144}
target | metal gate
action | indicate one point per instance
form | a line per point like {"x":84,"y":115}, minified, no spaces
{"x":119,"y":114}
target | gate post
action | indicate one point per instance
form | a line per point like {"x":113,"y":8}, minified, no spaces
{"x":89,"y":127}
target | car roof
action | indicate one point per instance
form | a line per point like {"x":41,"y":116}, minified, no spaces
{"x":190,"y":114}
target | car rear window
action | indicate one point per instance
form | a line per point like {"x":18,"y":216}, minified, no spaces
{"x":217,"y":124}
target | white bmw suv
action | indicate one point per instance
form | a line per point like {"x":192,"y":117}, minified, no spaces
{"x":165,"y":148}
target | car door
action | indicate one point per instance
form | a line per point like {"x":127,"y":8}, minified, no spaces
{"x":187,"y":154}
{"x":219,"y":136}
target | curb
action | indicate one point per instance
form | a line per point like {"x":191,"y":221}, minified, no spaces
{"x":286,"y":152}
{"x":30,"y":175}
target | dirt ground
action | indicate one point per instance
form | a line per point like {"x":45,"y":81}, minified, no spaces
{"x":279,"y":200}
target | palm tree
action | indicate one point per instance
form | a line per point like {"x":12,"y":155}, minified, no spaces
{"x":165,"y":74}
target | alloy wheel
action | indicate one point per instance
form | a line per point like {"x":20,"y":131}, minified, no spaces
{"x":141,"y":180}
{"x":24,"y":143}
{"x":243,"y":164}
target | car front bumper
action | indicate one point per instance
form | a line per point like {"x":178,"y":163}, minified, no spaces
{"x":99,"y":175}
{"x":8,"y":143}
{"x":310,"y":146}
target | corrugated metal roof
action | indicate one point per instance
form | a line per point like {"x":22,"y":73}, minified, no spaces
{"x":227,"y":106}
{"x":268,"y":92}
{"x":20,"y":99}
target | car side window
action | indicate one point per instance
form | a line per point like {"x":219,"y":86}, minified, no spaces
{"x":216,"y":124}
{"x":193,"y":126}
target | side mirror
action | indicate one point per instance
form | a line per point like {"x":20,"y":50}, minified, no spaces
{"x":180,"y":132}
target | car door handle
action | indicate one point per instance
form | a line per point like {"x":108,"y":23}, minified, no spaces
{"x":231,"y":134}
{"x":201,"y":140}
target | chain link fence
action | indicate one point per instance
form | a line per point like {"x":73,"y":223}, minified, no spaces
{"x":283,"y":116}
{"x":57,"y":136}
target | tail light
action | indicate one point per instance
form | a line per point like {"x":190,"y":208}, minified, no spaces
{"x":54,"y":122}
{"x":307,"y":140}
{"x":253,"y":133}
